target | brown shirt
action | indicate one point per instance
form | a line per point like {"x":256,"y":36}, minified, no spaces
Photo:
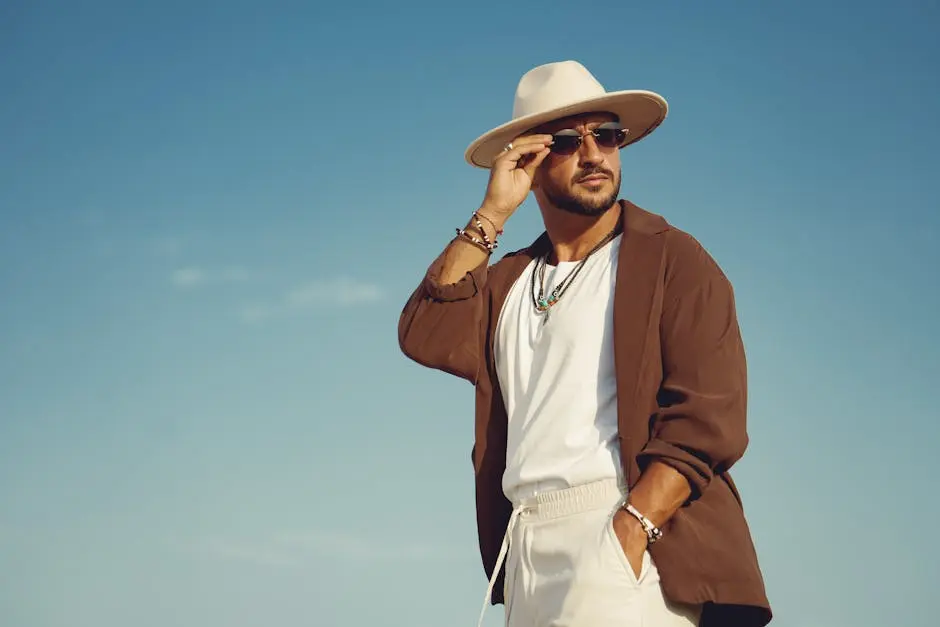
{"x":681,"y":399}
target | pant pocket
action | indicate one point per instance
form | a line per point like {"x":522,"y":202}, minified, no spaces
{"x":614,"y":547}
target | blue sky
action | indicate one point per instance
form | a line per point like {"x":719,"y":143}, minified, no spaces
{"x":212,"y":213}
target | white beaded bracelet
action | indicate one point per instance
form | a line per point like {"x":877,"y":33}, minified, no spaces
{"x":652,"y":531}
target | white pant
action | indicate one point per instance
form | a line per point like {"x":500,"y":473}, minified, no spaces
{"x":566,"y":568}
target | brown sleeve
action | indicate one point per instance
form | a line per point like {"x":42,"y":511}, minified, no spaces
{"x":700,"y":428}
{"x":439,"y":326}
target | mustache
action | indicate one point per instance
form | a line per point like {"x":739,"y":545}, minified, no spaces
{"x":591,"y":171}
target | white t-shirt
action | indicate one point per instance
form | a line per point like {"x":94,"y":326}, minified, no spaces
{"x":557,"y":376}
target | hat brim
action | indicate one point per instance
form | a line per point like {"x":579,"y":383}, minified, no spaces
{"x":639,"y":111}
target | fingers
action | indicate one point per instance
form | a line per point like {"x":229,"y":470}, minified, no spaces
{"x":522,"y":149}
{"x":532,"y":163}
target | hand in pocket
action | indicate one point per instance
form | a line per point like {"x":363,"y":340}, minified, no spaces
{"x":632,"y":539}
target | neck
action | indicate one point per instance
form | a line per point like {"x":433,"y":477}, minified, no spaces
{"x":574,"y":236}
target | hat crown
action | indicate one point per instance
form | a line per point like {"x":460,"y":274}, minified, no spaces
{"x":552,"y":86}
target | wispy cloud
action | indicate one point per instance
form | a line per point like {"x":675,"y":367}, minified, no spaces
{"x":188,"y":277}
{"x":195,"y":276}
{"x":297,"y":548}
{"x":331,"y":293}
{"x":339,"y":291}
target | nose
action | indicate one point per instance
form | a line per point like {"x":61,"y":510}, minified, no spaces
{"x":589,"y":152}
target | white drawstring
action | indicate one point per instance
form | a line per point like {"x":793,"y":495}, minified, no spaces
{"x":499,"y":560}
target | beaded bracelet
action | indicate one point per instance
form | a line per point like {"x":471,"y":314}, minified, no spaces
{"x":484,"y":245}
{"x":477,"y":216}
{"x":653,"y":533}
{"x":486,"y":239}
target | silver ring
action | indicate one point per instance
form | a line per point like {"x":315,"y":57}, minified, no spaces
{"x":508,"y":147}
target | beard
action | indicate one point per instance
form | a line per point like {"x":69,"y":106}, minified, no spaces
{"x":584,"y":203}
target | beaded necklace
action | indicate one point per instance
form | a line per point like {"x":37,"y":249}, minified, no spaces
{"x":543,"y":304}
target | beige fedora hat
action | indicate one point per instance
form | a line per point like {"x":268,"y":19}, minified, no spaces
{"x":557,"y":90}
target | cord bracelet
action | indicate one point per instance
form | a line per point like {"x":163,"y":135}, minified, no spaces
{"x":485,"y":243}
{"x":653,"y":532}
{"x":470,"y":237}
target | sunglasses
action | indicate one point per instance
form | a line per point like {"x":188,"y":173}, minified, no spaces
{"x":609,"y":135}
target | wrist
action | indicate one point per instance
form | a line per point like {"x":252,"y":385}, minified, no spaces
{"x":492,"y":219}
{"x":629,"y":527}
{"x":650,"y":531}
{"x":485,"y":228}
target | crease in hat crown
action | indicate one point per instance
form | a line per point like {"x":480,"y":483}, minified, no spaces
{"x":560,"y":89}
{"x":552,"y":86}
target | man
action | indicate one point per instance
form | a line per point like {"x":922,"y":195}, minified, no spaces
{"x":610,"y":379}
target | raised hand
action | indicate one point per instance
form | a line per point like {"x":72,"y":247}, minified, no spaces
{"x":511,"y":176}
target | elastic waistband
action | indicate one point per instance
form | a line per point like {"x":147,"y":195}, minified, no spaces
{"x":605,"y":493}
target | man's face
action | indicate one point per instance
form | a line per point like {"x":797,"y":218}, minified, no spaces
{"x":587,"y":181}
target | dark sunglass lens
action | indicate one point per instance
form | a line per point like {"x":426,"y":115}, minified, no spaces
{"x":565,"y":143}
{"x":610,"y":137}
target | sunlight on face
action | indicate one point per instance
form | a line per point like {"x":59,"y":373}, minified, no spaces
{"x":586,"y":182}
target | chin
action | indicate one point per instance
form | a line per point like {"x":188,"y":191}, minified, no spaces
{"x":599,"y":200}
{"x":586,"y":202}
{"x":592,"y":195}
{"x":587,"y":207}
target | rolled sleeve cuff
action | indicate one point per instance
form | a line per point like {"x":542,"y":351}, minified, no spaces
{"x":693,"y":468}
{"x":467,"y":287}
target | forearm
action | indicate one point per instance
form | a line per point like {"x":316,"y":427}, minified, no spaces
{"x":462,"y":255}
{"x":659,"y":493}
